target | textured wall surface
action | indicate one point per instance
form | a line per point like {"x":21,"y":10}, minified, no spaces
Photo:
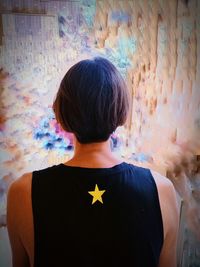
{"x":156,"y":46}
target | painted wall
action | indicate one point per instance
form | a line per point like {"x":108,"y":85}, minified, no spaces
{"x":155,"y":45}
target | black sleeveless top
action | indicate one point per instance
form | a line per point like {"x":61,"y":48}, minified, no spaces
{"x":99,"y":217}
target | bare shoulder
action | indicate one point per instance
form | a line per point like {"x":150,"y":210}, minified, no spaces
{"x":19,"y":219}
{"x":168,"y":200}
{"x":18,"y":198}
{"x":170,"y":216}
{"x":22,"y":183}
{"x":161,"y":180}
{"x":165,"y":188}
{"x":18,"y":195}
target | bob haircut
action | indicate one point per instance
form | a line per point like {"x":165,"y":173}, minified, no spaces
{"x":92,"y":100}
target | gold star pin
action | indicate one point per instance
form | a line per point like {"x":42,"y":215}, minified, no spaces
{"x":97,"y":194}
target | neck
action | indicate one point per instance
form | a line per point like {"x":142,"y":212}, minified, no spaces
{"x":101,"y":147}
{"x":93,"y":155}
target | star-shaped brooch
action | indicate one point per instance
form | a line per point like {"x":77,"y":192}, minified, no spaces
{"x":97,"y":194}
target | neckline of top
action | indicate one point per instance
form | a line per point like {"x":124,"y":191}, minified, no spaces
{"x":117,"y":167}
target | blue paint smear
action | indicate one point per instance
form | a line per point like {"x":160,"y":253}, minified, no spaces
{"x":120,"y":16}
{"x":126,"y":46}
{"x":48,"y":137}
{"x":61,"y":20}
{"x":88,"y":11}
{"x":141,"y":157}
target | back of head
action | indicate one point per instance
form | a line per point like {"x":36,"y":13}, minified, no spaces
{"x":92,"y":100}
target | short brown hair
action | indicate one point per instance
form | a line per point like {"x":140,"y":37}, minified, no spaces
{"x":92,"y":100}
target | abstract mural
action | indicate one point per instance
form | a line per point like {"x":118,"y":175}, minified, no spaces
{"x":155,"y":44}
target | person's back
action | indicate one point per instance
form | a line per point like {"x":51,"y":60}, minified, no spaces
{"x":96,"y":217}
{"x":94,"y":210}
